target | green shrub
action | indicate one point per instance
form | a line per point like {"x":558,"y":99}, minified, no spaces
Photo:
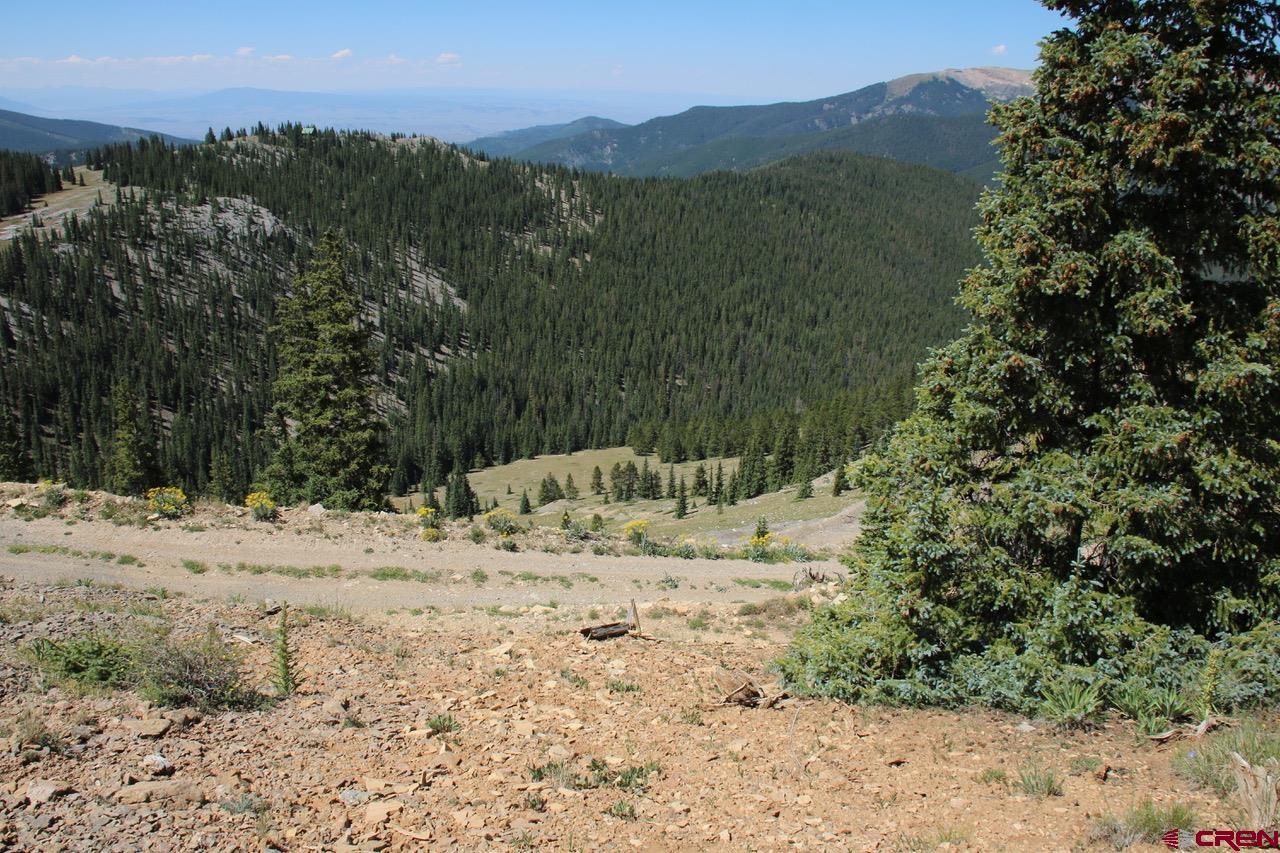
{"x":90,"y":660}
{"x":477,"y":535}
{"x":168,"y":502}
{"x":204,"y":672}
{"x":502,"y":522}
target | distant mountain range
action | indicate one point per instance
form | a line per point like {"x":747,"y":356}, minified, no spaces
{"x":454,"y":115}
{"x":936,"y":119}
{"x":34,"y":134}
{"x":514,"y":141}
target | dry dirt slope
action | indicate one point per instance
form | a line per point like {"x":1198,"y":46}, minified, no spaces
{"x":560,"y":744}
{"x":450,"y":704}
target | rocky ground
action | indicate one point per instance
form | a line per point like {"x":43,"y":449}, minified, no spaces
{"x":495,"y":726}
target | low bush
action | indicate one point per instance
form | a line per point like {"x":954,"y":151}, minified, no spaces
{"x":261,"y":506}
{"x":502,"y":522}
{"x":1145,"y":824}
{"x":168,"y":502}
{"x":204,"y":672}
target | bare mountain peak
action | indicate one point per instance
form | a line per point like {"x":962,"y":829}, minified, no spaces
{"x":998,"y":84}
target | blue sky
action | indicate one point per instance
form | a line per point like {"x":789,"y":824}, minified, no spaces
{"x":744,"y":50}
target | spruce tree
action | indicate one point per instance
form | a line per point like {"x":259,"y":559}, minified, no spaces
{"x":682,"y":500}
{"x":15,"y":462}
{"x":839,"y":481}
{"x":328,"y":435}
{"x":1091,"y":477}
{"x":570,"y":488}
{"x":525,"y":508}
{"x":597,"y":481}
{"x":129,"y":458}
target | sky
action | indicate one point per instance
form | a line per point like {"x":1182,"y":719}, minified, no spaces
{"x":740,"y":51}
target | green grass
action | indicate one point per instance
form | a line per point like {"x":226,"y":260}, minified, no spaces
{"x":1206,"y":762}
{"x":1143,"y":825}
{"x":491,"y":484}
{"x":64,"y":551}
{"x":1038,"y":782}
{"x":757,"y":583}
{"x":623,"y":687}
{"x":330,"y":571}
{"x":195,"y":566}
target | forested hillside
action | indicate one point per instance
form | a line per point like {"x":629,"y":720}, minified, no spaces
{"x":23,"y":177}
{"x":516,"y":309}
{"x":22,"y":132}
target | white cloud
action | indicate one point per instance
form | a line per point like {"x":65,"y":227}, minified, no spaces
{"x":392,"y":59}
{"x":244,"y":51}
{"x":448,"y":58}
{"x":341,"y":54}
{"x":73,"y":59}
{"x":279,"y":57}
{"x":1000,"y":49}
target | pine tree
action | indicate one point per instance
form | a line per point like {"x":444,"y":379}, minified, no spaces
{"x":682,"y":500}
{"x":1092,"y":471}
{"x":525,"y":508}
{"x":839,"y":481}
{"x":220,"y":486}
{"x":329,"y":441}
{"x":15,"y":462}
{"x":597,"y":481}
{"x":804,"y":490}
{"x":460,"y":499}
{"x":129,"y":458}
{"x":671,"y":482}
{"x":701,"y":485}
{"x":570,"y":488}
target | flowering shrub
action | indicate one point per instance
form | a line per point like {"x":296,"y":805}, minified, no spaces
{"x":502,"y":521}
{"x":432,"y":534}
{"x":636,"y":531}
{"x":428,"y":518}
{"x":168,"y":501}
{"x":261,"y":506}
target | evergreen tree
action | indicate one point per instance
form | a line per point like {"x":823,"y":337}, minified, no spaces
{"x":1092,"y":472}
{"x":329,"y":440}
{"x":597,"y":481}
{"x":460,"y":500}
{"x":525,"y":508}
{"x":549,"y":490}
{"x":129,"y":458}
{"x":804,"y":490}
{"x":839,"y":481}
{"x":570,"y":488}
{"x":220,"y":486}
{"x":701,"y":485}
{"x":682,"y":500}
{"x":15,"y":462}
{"x":209,"y":138}
{"x":671,"y":482}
